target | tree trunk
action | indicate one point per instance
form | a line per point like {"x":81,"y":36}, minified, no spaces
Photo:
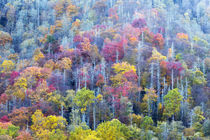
{"x":113,"y":107}
{"x":152,"y":73}
{"x":94,"y":117}
{"x":83,"y":117}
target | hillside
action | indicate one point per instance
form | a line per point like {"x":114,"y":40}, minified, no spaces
{"x":105,"y":69}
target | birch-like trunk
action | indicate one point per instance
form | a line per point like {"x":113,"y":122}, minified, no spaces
{"x":152,"y":75}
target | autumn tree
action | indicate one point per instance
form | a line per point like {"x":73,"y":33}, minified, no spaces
{"x":7,"y":66}
{"x":83,"y":134}
{"x":158,"y":41}
{"x":113,"y":51}
{"x":156,"y":56}
{"x":44,"y":127}
{"x":5,"y":38}
{"x":20,"y":117}
{"x":32,"y":79}
{"x":24,"y":135}
{"x":9,"y":129}
{"x":122,"y":71}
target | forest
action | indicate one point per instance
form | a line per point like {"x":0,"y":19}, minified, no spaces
{"x":104,"y":69}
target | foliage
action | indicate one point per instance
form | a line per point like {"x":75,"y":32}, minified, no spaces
{"x":65,"y":63}
{"x":38,"y":55}
{"x":113,"y":50}
{"x":5,"y":38}
{"x":176,"y":129}
{"x":84,"y":98}
{"x":182,"y":36}
{"x":172,"y":102}
{"x":3,"y":98}
{"x":123,"y":67}
{"x":198,"y":119}
{"x":24,"y":135}
{"x":83,"y":134}
{"x":20,"y":117}
{"x":156,"y":56}
{"x":7,"y":66}
{"x":147,"y":123}
{"x":136,"y":119}
{"x":144,"y":63}
{"x":44,"y":127}
{"x":139,"y":23}
{"x":158,"y":41}
{"x":11,"y":130}
{"x":113,"y":130}
{"x":206,"y":127}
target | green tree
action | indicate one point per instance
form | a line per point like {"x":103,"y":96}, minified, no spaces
{"x":12,"y":131}
{"x":83,"y":99}
{"x":113,"y":130}
{"x":172,"y":102}
{"x":206,"y":127}
{"x":147,"y":123}
{"x":83,"y":134}
{"x":57,"y":135}
{"x":198,"y":119}
{"x":175,"y":130}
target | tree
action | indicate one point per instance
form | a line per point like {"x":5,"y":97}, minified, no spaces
{"x":83,"y":134}
{"x":20,"y":117}
{"x":10,"y":130}
{"x":19,"y":88}
{"x":24,"y":135}
{"x":83,"y":99}
{"x":124,"y":72}
{"x":156,"y":56}
{"x":182,"y":36}
{"x":147,"y":123}
{"x":123,"y":67}
{"x":64,"y":64}
{"x":113,"y":51}
{"x":44,"y":127}
{"x":3,"y":98}
{"x":139,"y":23}
{"x":38,"y":55}
{"x":172,"y":102}
{"x":32,"y":80}
{"x":5,"y":38}
{"x":7,"y":66}
{"x":136,"y":119}
{"x":57,"y":134}
{"x":198,"y":77}
{"x":158,"y":41}
{"x":175,"y":130}
{"x":148,"y":99}
{"x":198,"y":119}
{"x":113,"y":130}
{"x":206,"y":127}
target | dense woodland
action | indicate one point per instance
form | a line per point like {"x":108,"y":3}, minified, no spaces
{"x":105,"y":69}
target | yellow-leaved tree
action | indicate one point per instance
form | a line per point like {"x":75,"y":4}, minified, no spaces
{"x":156,"y":56}
{"x":123,"y":67}
{"x":120,"y":69}
{"x":7,"y":66}
{"x":46,"y":128}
